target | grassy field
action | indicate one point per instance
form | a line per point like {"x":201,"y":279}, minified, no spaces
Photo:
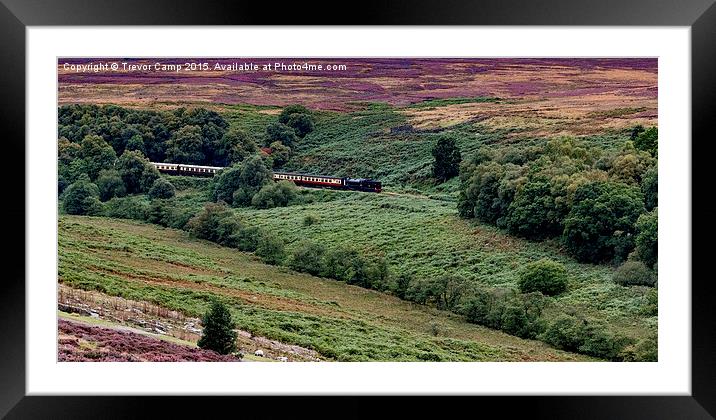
{"x":166,"y":267}
{"x":426,"y":238}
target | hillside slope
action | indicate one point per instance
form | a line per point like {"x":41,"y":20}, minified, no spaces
{"x":345,"y":323}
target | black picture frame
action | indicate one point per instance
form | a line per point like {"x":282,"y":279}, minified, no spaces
{"x":16,"y":15}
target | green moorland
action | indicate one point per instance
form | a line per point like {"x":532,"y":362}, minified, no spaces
{"x":414,"y":226}
{"x":167,"y":267}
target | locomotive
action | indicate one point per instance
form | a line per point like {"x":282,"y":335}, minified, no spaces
{"x":305,"y":180}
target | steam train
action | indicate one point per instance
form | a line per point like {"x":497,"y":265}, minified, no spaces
{"x":305,"y":180}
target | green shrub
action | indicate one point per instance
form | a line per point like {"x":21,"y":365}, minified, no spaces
{"x":310,"y":219}
{"x":216,"y":223}
{"x":132,"y":207}
{"x":82,"y":197}
{"x":279,"y":194}
{"x":514,"y":314}
{"x":247,"y":239}
{"x":308,"y":258}
{"x":168,"y":214}
{"x":270,"y":249}
{"x":161,"y":188}
{"x":586,"y":336}
{"x":545,"y":276}
{"x":110,"y":184}
{"x":136,"y":172}
{"x":634,"y":273}
{"x":646,"y":350}
{"x":402,"y":285}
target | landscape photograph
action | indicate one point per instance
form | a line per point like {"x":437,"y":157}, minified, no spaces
{"x":357,"y":209}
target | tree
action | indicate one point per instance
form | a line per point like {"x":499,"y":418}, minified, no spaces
{"x":279,"y":194}
{"x":136,"y":142}
{"x":534,"y":212}
{"x":186,"y":146}
{"x":136,"y":172}
{"x":162,"y":189}
{"x":277,"y":131}
{"x":216,"y":223}
{"x":299,"y":118}
{"x":235,"y":146}
{"x":650,"y":188}
{"x":648,"y":141}
{"x":254,"y":175}
{"x":647,"y":238}
{"x":302,"y":124}
{"x":545,"y":276}
{"x":225,"y":183}
{"x":447,"y":159}
{"x":82,"y":197}
{"x":280,"y":154}
{"x":218,"y":334}
{"x":97,"y":155}
{"x":634,"y":273}
{"x":110,"y":184}
{"x":600,"y":210}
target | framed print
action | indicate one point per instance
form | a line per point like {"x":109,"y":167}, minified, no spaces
{"x":401,"y":209}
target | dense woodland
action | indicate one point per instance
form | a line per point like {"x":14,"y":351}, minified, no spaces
{"x":599,"y":204}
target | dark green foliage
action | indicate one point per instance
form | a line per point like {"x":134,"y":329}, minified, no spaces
{"x":586,"y":336}
{"x":515,"y":314}
{"x":445,"y":291}
{"x":225,"y":183}
{"x":148,"y":132}
{"x":302,"y":124}
{"x":650,"y":188}
{"x":278,"y":132}
{"x":481,"y":193}
{"x":648,"y":141}
{"x":186,"y":146}
{"x":279,"y":194}
{"x":235,"y":146}
{"x":634,"y":273}
{"x":402,"y":285}
{"x":271,"y":249}
{"x":168,"y":214}
{"x":136,"y":172}
{"x":600,"y":210}
{"x":162,"y":189}
{"x":97,"y":155}
{"x":349,"y":265}
{"x":647,"y":238}
{"x":635,"y":132}
{"x":82,"y":197}
{"x":308,"y":258}
{"x":447,"y":159}
{"x":299,"y":118}
{"x":216,"y":223}
{"x":545,"y":276}
{"x":534,"y":212}
{"x":218,"y":333}
{"x":110,"y":184}
{"x":136,"y":143}
{"x":254,"y":175}
{"x":133,"y":207}
{"x":247,"y":238}
{"x":280,"y":154}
